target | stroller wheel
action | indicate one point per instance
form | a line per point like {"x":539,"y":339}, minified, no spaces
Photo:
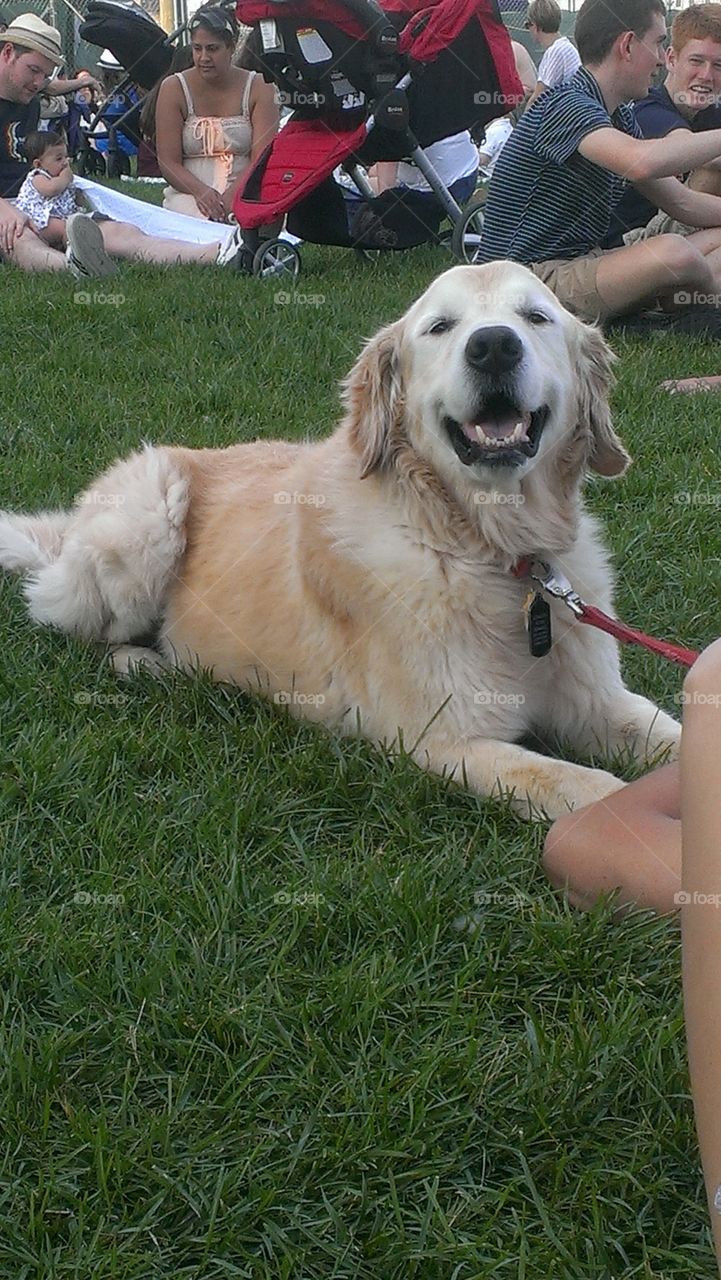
{"x":276,"y":258}
{"x":467,"y":232}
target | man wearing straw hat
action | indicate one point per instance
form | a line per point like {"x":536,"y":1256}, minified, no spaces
{"x":29,"y":50}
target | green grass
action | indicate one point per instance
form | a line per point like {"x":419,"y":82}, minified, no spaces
{"x":241,"y":1035}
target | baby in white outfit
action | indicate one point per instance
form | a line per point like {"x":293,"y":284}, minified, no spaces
{"x":48,"y":195}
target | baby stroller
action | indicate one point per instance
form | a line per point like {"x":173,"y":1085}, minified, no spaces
{"x":144,"y":52}
{"x":367,"y":84}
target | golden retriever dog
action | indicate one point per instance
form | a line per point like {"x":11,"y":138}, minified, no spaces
{"x":366,"y":582}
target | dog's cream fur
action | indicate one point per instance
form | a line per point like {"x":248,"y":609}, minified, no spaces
{"x":365,"y":581}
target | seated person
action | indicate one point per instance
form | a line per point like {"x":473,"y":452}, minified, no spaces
{"x":49,"y":199}
{"x":560,"y":58}
{"x":686,"y":102}
{"x":211,"y":121}
{"x":567,"y":164}
{"x":455,"y":160}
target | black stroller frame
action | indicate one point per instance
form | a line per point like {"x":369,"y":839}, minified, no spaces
{"x":387,"y":98}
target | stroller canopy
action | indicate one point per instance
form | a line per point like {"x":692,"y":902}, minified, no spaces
{"x":139,"y":44}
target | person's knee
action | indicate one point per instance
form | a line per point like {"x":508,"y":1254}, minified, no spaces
{"x":686,"y":263}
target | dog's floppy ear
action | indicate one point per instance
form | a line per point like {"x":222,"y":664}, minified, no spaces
{"x":373,"y":397}
{"x":607,"y":455}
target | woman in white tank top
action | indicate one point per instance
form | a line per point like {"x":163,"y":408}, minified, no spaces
{"x":211,"y":122}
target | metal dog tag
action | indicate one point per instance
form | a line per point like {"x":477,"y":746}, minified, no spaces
{"x":538,"y":618}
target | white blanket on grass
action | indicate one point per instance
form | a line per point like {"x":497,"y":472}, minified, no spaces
{"x":151,"y":218}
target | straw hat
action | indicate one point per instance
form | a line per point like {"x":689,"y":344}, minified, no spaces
{"x":31,"y":32}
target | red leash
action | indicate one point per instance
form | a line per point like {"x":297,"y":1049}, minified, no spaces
{"x":552,"y":581}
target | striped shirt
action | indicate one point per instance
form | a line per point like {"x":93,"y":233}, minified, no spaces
{"x":545,"y":200}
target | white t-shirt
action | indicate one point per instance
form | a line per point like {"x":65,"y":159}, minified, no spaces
{"x":560,"y":61}
{"x":452,"y":158}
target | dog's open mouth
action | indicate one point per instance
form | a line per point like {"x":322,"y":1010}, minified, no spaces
{"x":500,"y":434}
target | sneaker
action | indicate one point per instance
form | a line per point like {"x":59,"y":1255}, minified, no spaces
{"x":231,"y":254}
{"x":85,"y":254}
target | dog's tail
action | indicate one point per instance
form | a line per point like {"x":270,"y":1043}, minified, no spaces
{"x":102,"y":570}
{"x":29,"y":543}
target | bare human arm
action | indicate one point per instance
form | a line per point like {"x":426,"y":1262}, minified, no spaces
{"x":169,"y":121}
{"x":59,"y":86}
{"x":695,"y":208}
{"x":48,"y":187}
{"x":701,"y":912}
{"x":641,"y":159}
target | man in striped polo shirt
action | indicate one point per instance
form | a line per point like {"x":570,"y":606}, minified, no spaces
{"x":567,"y":165}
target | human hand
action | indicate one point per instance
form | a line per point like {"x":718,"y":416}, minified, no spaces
{"x":210,"y":203}
{"x":12,"y":225}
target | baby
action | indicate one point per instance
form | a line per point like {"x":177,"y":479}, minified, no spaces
{"x":47,"y":195}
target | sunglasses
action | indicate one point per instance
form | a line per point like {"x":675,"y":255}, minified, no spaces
{"x":212,"y":20}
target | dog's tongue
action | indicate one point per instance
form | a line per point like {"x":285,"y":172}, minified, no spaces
{"x":498,"y":429}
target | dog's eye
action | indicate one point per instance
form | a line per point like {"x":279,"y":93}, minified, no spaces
{"x":441,"y":326}
{"x":537,"y":317}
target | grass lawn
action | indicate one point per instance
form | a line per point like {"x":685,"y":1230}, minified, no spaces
{"x":241,"y":1035}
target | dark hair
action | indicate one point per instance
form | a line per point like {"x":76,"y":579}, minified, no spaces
{"x":40,"y":141}
{"x":182,"y":60}
{"x":215,"y":18}
{"x":601,"y":22}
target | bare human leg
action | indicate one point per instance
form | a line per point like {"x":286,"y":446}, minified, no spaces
{"x":122,"y":240}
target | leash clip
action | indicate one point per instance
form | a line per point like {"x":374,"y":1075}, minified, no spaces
{"x":556,"y":584}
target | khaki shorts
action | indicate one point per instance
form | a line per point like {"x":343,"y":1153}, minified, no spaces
{"x":573,"y":280}
{"x":661,"y":224}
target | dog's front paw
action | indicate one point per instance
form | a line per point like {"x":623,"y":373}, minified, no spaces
{"x":567,"y":787}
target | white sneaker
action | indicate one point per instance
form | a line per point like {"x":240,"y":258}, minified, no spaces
{"x":230,"y":254}
{"x":85,"y":254}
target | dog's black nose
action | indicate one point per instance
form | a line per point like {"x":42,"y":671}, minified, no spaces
{"x":496,"y":349}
